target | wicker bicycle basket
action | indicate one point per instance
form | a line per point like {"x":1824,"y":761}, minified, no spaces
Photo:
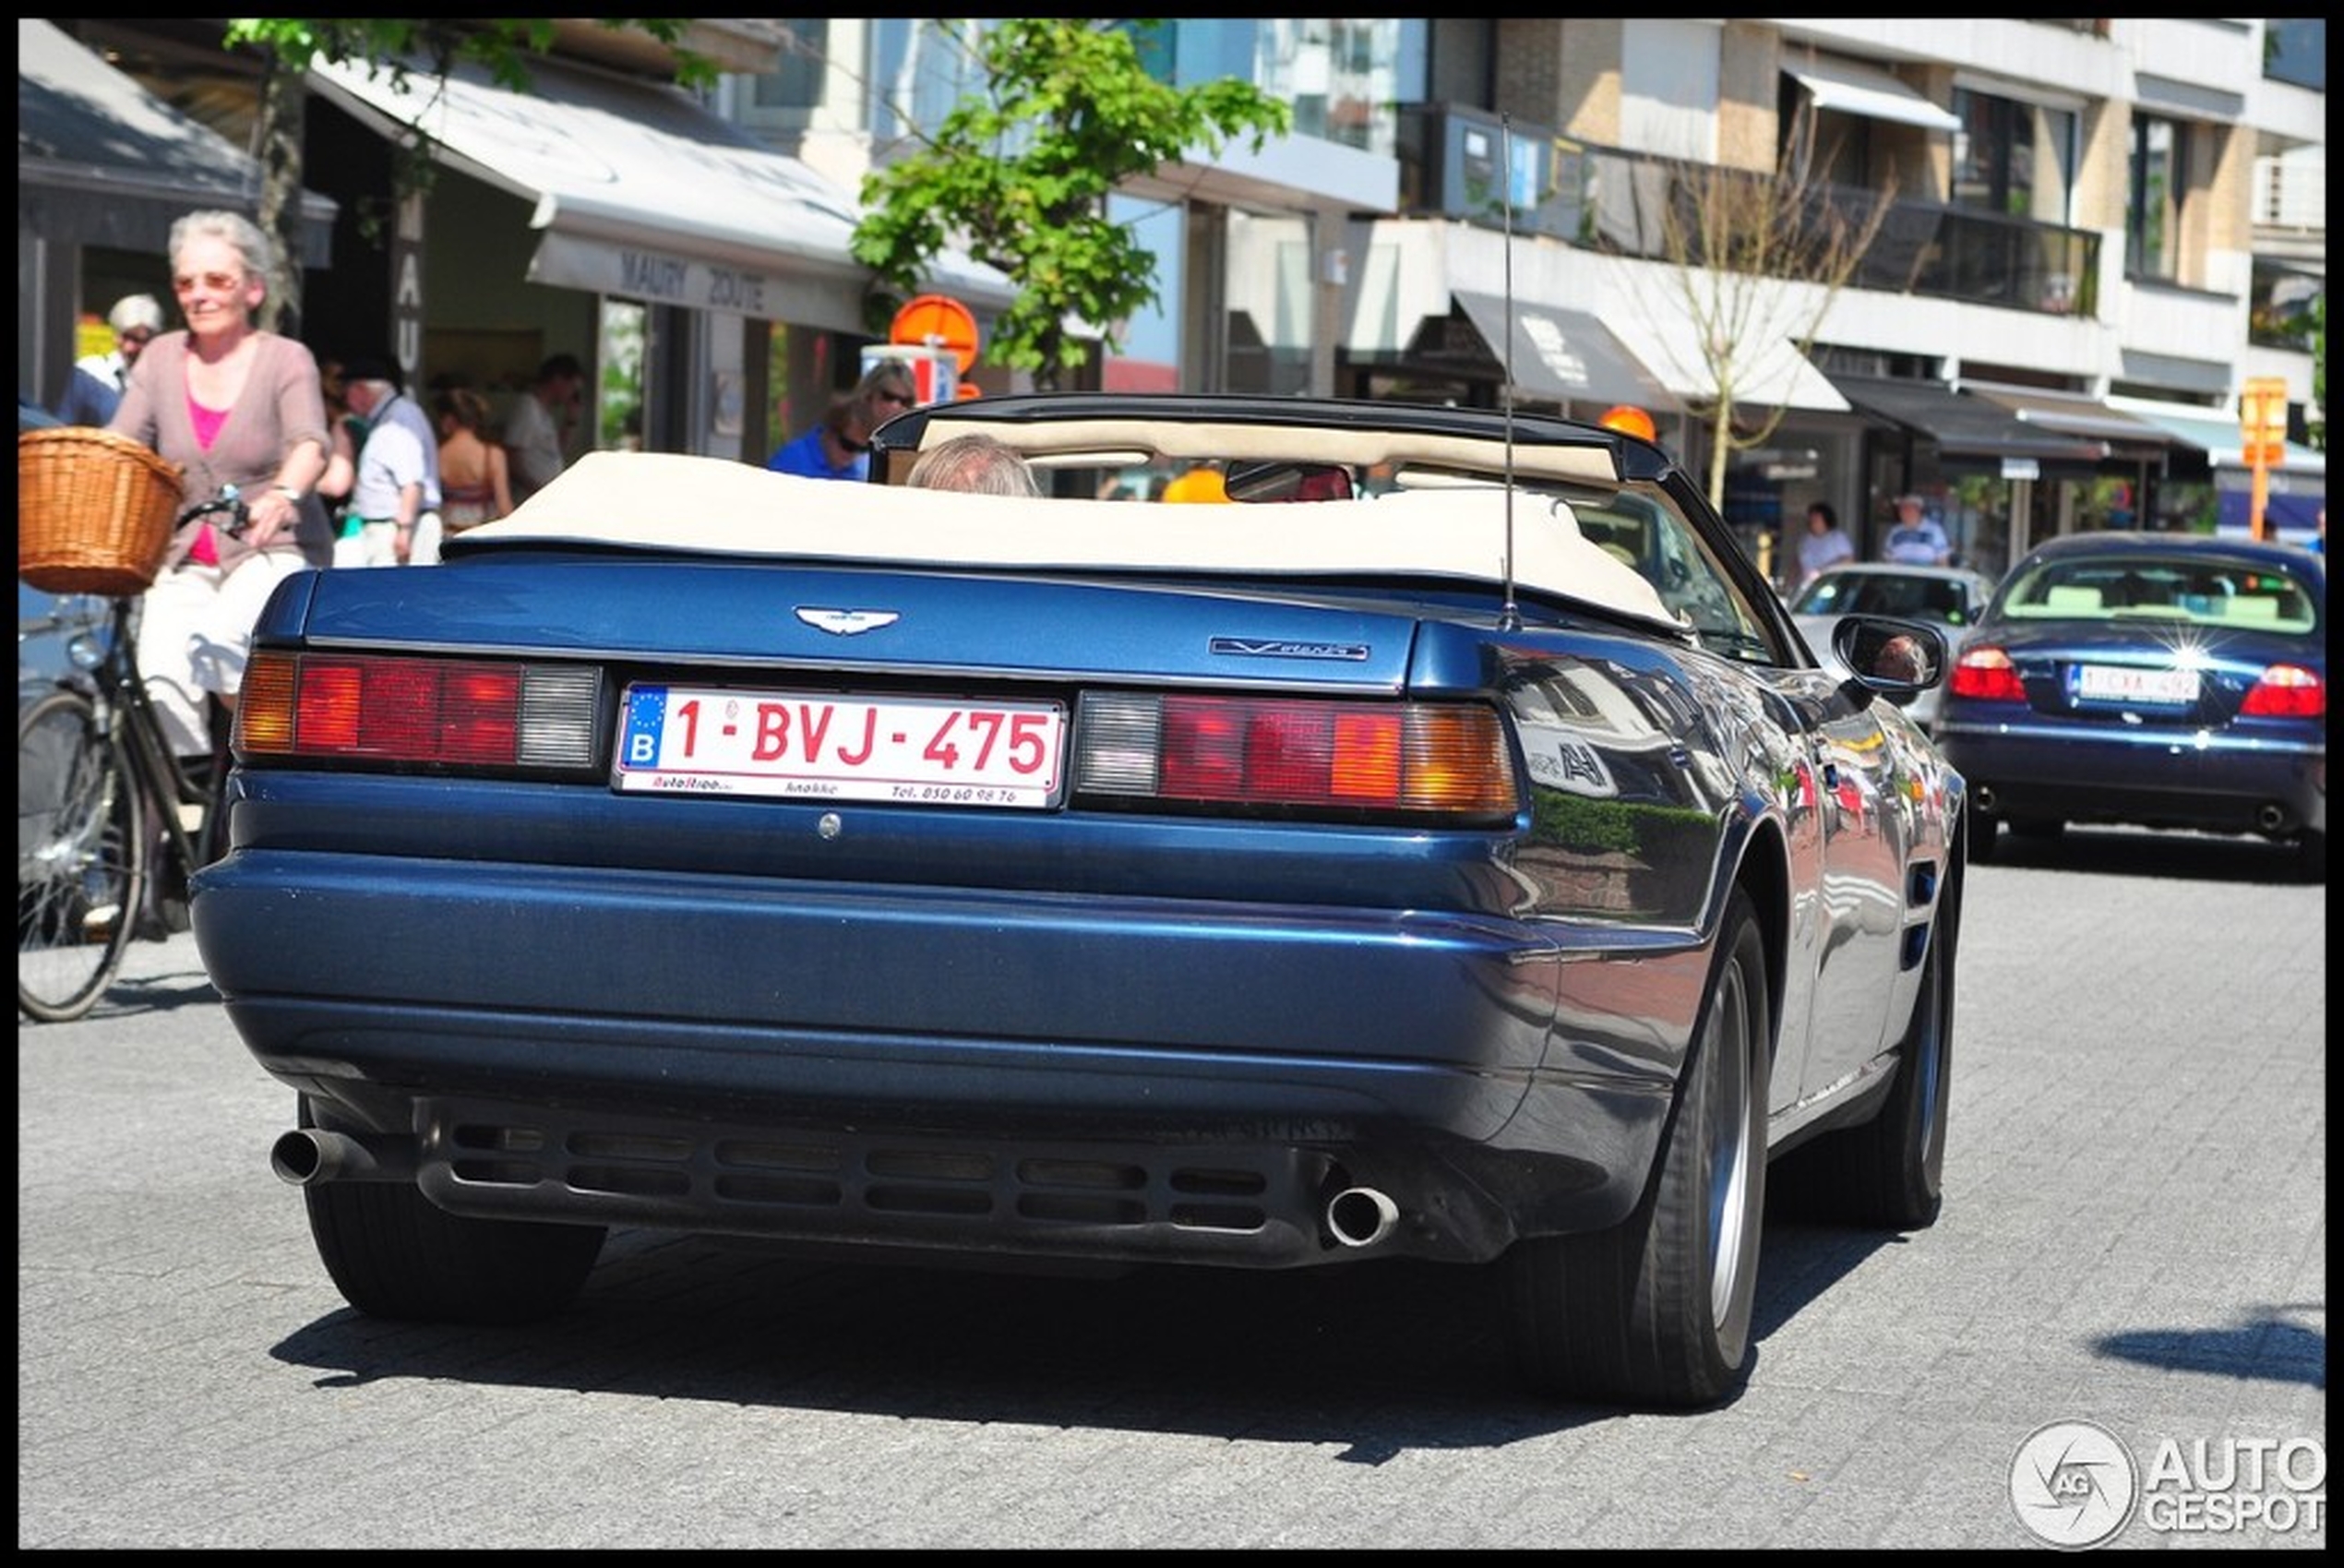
{"x":94,"y":511}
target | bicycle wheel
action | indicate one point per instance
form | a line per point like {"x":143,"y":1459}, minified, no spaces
{"x":81,"y":858}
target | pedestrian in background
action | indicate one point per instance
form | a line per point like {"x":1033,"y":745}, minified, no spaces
{"x":475,"y":476}
{"x":1825,"y":544}
{"x":840,"y":446}
{"x":539,"y":429}
{"x":230,"y":404}
{"x":1202,"y":483}
{"x":394,"y":507}
{"x":1916,"y":538}
{"x":344,"y":430}
{"x":98,"y":380}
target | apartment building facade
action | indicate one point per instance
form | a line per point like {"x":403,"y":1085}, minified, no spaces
{"x":2095,"y":233}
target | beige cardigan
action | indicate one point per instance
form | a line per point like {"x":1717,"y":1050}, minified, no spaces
{"x":282,"y":406}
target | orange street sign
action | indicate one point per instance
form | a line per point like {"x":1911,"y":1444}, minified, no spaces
{"x":936,"y":321}
{"x":2262,"y":410}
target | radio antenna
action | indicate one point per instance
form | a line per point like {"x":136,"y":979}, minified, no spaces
{"x":1509,"y":614}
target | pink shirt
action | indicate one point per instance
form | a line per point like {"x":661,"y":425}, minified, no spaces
{"x":206,"y":423}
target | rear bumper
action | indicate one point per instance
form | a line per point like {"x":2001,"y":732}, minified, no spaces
{"x":2083,"y":774}
{"x":990,"y":1071}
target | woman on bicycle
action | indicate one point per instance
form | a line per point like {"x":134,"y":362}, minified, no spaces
{"x":230,"y":404}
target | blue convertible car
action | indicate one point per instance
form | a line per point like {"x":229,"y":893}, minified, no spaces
{"x":1443,"y":848}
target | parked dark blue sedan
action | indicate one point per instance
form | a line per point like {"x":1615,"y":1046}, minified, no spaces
{"x":2156,"y":679}
{"x":1473,"y":865}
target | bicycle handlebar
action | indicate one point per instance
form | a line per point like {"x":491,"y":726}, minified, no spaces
{"x":230,"y":501}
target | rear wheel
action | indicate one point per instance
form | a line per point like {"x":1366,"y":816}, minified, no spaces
{"x":1656,"y":1309}
{"x":393,"y":1253}
{"x":2310,"y":854}
{"x":81,"y":858}
{"x":1985,"y":828}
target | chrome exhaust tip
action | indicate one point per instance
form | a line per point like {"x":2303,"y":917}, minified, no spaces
{"x":1361,"y":1217}
{"x":309,"y":1156}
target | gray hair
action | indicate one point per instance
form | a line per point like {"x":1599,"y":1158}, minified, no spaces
{"x":259,"y":256}
{"x":981,"y":464}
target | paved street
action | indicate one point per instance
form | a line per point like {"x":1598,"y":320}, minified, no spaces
{"x":2134,"y":1235}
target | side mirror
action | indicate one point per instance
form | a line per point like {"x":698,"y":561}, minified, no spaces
{"x":1898,"y":659}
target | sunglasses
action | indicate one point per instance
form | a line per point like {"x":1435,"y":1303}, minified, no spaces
{"x":898,"y":399}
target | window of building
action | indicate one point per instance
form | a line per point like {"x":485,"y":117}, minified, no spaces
{"x":2280,"y":312}
{"x":2012,"y":158}
{"x":2297,"y":51}
{"x":2160,"y":178}
{"x":798,"y":83}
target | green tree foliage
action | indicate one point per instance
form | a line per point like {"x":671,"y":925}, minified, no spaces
{"x":287,"y":45}
{"x":1019,"y":172}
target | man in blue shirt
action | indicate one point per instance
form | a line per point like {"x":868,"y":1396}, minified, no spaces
{"x":840,"y":446}
{"x":1916,"y":540}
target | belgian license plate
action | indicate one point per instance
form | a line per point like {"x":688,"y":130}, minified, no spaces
{"x":2123,"y":683}
{"x":823,"y":745}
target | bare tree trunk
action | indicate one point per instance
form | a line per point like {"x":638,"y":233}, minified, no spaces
{"x":1721,"y":446}
{"x":284,"y":102}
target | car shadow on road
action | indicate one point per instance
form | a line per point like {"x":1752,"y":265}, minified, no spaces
{"x":2268,"y":1347}
{"x":1380,"y":1357}
{"x":2189,"y":856}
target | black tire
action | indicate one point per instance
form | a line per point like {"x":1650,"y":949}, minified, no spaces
{"x":393,"y":1253}
{"x":1985,"y":828}
{"x":81,"y":858}
{"x":1656,"y":1311}
{"x":2311,"y":855}
{"x":1890,"y":1171}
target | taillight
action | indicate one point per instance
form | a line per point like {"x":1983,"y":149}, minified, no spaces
{"x":456,"y":712}
{"x":1294,"y":753}
{"x":1986,"y":674}
{"x":2287,"y":691}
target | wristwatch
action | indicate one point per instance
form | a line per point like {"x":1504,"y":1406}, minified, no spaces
{"x":289,"y":493}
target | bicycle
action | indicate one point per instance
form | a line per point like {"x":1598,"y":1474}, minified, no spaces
{"x":95,"y":780}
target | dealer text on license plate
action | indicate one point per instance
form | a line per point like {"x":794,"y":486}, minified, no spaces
{"x":823,"y":745}
{"x":2121,"y":682}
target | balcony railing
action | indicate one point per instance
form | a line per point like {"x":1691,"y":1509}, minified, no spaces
{"x":1459,"y":164}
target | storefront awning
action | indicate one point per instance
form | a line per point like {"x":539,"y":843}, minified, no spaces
{"x":103,"y":162}
{"x":642,"y":193}
{"x":1969,"y":431}
{"x":2127,"y":438}
{"x":1567,"y":355}
{"x":2217,"y":440}
{"x":1768,"y":372}
{"x":1852,"y":88}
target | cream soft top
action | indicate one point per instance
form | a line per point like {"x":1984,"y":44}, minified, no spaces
{"x":671,"y":501}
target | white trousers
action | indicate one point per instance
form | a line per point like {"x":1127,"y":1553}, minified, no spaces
{"x":195,"y":631}
{"x":374,"y":545}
